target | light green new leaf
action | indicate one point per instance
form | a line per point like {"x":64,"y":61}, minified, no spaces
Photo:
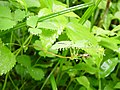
{"x":101,"y":32}
{"x":6,"y":23}
{"x":48,"y":37}
{"x":78,"y":32}
{"x":117,"y":15}
{"x":108,"y":66}
{"x":117,"y":86}
{"x":84,"y":81}
{"x":117,"y":28}
{"x":36,"y":73}
{"x":7,"y":60}
{"x":68,"y":44}
{"x":24,"y":60}
{"x":47,"y":3}
{"x":35,"y":31}
{"x":111,"y":43}
{"x":43,"y":12}
{"x":48,"y":25}
{"x":5,"y":12}
{"x":32,"y":21}
{"x":19,"y":15}
{"x":32,"y":3}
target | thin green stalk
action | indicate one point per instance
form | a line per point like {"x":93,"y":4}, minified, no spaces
{"x":23,"y":45}
{"x":88,"y":13}
{"x":53,"y":82}
{"x":61,"y":65}
{"x":20,"y":25}
{"x":5,"y":83}
{"x":13,"y":83}
{"x":70,"y":9}
{"x":99,"y":79}
{"x":50,"y":75}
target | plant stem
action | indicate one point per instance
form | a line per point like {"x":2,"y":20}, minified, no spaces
{"x":105,"y":13}
{"x":53,"y":82}
{"x":50,"y":75}
{"x":13,"y":83}
{"x":70,"y":9}
{"x":88,"y":12}
{"x":6,"y":77}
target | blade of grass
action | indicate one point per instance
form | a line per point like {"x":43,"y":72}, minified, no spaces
{"x":88,"y":13}
{"x":50,"y":75}
{"x":70,"y":9}
{"x":53,"y":82}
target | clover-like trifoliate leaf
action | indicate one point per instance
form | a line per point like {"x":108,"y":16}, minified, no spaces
{"x":36,"y":73}
{"x":7,"y":60}
{"x":32,"y":21}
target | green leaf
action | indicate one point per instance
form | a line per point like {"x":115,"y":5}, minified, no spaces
{"x":24,"y":60}
{"x":102,"y":4}
{"x":62,"y":45}
{"x":78,"y":32}
{"x":38,"y":45}
{"x":47,"y":38}
{"x":48,"y":25}
{"x":117,"y":28}
{"x":7,"y":60}
{"x":111,"y":43}
{"x":36,"y":73}
{"x":107,"y":21}
{"x":6,"y":23}
{"x":117,"y":86}
{"x":84,"y":81}
{"x":5,"y":12}
{"x":19,"y":15}
{"x":43,"y":12}
{"x":35,"y":31}
{"x":101,"y":32}
{"x":22,"y":71}
{"x":86,"y":67}
{"x":117,"y":15}
{"x":32,"y":3}
{"x":32,"y":21}
{"x":68,"y":44}
{"x":108,"y":66}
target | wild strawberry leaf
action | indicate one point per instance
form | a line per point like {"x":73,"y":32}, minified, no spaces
{"x":7,"y":60}
{"x":32,"y":21}
{"x":5,"y":12}
{"x":6,"y":23}
{"x":35,"y":31}
{"x":19,"y":15}
{"x":36,"y":73}
{"x":78,"y":32}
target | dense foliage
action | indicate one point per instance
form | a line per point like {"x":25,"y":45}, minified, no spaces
{"x":59,"y":44}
